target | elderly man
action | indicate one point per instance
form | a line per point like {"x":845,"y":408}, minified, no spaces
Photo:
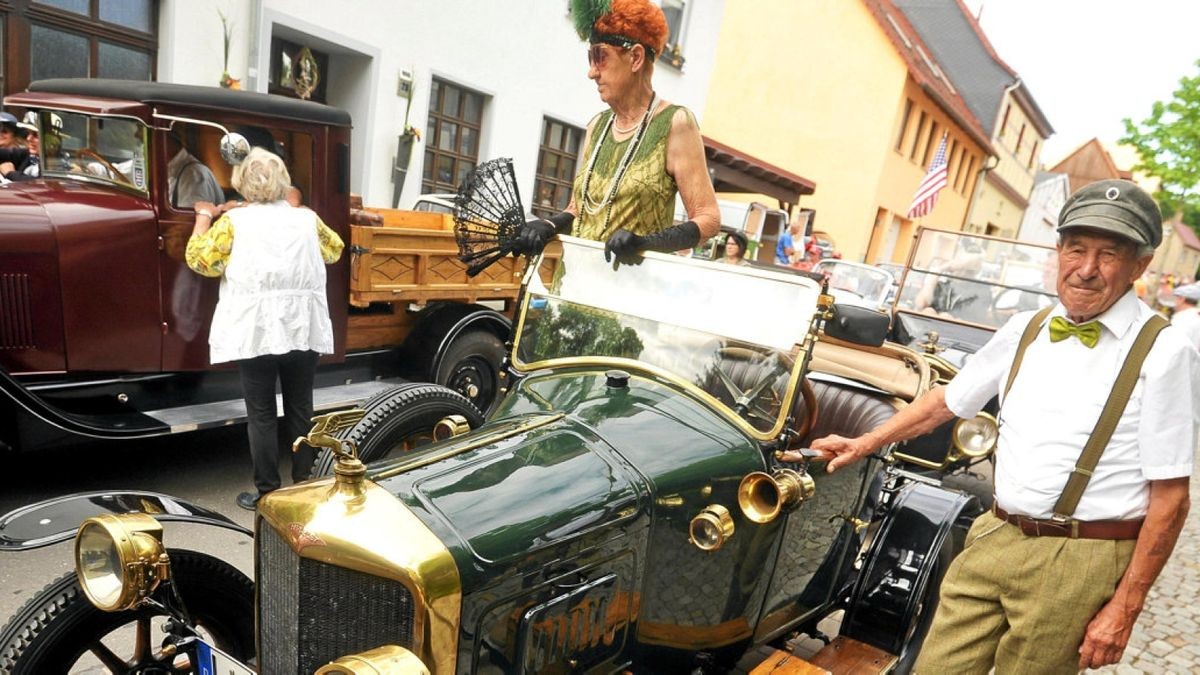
{"x":1053,"y":578}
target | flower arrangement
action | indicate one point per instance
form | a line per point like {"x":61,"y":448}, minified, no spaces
{"x":227,"y":80}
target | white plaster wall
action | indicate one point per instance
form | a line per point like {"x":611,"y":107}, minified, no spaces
{"x":523,"y":54}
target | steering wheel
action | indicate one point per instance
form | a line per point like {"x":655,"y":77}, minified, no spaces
{"x":810,"y":411}
{"x":751,"y":401}
{"x":114,"y":171}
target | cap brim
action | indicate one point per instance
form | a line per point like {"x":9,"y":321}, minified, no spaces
{"x":1104,"y":222}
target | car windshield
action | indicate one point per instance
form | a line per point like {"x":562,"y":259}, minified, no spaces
{"x":856,"y":284}
{"x":977,"y":279}
{"x":94,"y":148}
{"x":691,"y":321}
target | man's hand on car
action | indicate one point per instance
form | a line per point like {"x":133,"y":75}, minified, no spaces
{"x":839,"y":451}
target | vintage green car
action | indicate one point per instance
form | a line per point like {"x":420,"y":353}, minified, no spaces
{"x":623,"y":509}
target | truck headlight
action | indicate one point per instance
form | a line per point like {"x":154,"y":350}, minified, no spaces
{"x":977,"y":436}
{"x":119,"y":559}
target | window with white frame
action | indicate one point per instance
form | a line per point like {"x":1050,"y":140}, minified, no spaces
{"x":676,"y":13}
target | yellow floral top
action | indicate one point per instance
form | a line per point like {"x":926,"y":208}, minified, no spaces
{"x":208,"y":253}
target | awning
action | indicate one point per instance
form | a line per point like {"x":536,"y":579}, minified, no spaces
{"x":735,"y":171}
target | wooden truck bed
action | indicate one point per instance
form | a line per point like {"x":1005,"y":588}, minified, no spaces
{"x":410,"y":258}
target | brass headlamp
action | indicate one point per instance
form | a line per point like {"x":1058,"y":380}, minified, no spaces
{"x":120,"y":559}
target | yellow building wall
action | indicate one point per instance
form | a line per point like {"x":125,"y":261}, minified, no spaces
{"x":1017,"y":143}
{"x":811,"y":87}
{"x":903,"y":172}
{"x":817,"y":88}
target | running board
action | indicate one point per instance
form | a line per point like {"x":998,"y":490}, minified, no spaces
{"x":842,"y":656}
{"x":224,"y":413}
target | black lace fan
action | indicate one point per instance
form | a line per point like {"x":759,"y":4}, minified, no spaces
{"x":487,"y":214}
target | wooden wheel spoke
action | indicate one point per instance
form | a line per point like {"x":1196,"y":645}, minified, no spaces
{"x":141,"y":648}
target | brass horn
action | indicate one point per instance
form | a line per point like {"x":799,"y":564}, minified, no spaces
{"x":764,"y":496}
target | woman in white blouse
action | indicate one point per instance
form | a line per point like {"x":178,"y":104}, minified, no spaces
{"x":272,"y":317}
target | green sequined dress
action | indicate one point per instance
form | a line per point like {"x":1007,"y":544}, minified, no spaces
{"x":645,"y":199}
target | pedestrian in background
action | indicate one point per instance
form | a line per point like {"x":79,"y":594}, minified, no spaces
{"x":1187,"y":316}
{"x":1053,"y":578}
{"x":272,"y":317}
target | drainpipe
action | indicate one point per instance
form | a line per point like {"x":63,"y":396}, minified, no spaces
{"x":984,"y":168}
{"x":252,"y":74}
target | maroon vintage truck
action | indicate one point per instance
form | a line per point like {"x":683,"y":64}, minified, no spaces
{"x":104,"y":329}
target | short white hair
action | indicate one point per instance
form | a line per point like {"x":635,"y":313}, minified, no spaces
{"x":261,"y":177}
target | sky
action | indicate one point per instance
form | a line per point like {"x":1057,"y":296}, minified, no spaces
{"x":1090,"y":63}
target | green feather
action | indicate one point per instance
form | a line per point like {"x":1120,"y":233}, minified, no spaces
{"x":586,"y":12}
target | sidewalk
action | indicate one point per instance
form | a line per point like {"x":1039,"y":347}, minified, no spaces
{"x":1165,"y":637}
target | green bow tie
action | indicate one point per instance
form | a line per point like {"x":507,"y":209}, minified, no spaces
{"x":1088,"y":333}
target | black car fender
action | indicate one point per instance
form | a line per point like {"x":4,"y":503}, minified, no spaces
{"x":901,"y":575}
{"x":56,"y":520}
{"x":440,"y":325}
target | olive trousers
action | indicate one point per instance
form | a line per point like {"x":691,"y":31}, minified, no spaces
{"x":1020,"y":604}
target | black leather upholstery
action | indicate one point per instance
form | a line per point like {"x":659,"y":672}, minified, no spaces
{"x":847,"y":412}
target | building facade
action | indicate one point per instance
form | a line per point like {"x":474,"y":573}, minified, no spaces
{"x":476,"y":80}
{"x":847,"y":95}
{"x":1000,"y":100}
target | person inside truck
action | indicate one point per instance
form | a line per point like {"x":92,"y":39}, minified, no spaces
{"x":734,"y":250}
{"x":638,"y":153}
{"x":272,"y":317}
{"x":188,"y":179}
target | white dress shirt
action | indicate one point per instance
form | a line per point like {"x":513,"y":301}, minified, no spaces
{"x":1056,"y":400}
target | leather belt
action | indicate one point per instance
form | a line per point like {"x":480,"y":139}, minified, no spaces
{"x":1071,"y":528}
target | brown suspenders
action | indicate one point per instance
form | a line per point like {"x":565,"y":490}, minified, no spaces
{"x":1114,"y":407}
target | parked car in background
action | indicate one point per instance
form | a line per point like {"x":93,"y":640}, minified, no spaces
{"x":625,"y":508}
{"x":858,"y":284}
{"x":957,"y":290}
{"x":435,"y":202}
{"x":104,"y":329}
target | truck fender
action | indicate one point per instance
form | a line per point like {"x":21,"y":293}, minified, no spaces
{"x":56,"y":520}
{"x":440,"y":325}
{"x":23,"y":399}
{"x":896,"y":594}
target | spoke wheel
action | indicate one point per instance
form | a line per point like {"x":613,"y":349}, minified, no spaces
{"x":60,"y":631}
{"x":399,"y":421}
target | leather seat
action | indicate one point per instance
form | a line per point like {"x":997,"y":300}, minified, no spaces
{"x":846,"y":412}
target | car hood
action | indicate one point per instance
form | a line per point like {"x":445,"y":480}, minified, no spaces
{"x":564,"y":459}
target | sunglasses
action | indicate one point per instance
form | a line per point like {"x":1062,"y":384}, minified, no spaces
{"x":597,"y":56}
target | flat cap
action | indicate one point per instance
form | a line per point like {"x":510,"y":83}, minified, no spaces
{"x":1116,"y":206}
{"x":1188,"y":292}
{"x":8,"y":118}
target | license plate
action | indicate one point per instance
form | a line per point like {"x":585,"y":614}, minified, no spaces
{"x":216,"y":662}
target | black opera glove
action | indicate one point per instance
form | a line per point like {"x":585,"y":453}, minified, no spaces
{"x":535,"y":234}
{"x":624,"y":246}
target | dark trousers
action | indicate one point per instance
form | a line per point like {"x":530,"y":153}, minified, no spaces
{"x":295,"y":372}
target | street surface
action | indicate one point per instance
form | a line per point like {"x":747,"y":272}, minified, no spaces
{"x":210,"y":468}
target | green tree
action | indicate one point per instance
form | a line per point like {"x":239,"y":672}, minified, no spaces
{"x":1168,"y":142}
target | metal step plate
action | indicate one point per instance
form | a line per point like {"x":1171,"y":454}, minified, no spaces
{"x":223,"y":413}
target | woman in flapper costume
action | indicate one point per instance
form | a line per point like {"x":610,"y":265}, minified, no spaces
{"x":638,"y":153}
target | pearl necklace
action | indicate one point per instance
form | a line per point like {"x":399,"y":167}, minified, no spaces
{"x":593,"y":207}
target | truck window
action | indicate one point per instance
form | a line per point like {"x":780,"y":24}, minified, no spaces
{"x":95,"y":148}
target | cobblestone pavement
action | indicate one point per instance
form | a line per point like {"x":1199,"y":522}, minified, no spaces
{"x":1166,"y":638}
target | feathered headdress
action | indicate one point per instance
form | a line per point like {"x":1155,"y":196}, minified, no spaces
{"x":638,"y":20}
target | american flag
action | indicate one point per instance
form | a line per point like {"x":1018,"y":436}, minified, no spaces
{"x":934,"y":181}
